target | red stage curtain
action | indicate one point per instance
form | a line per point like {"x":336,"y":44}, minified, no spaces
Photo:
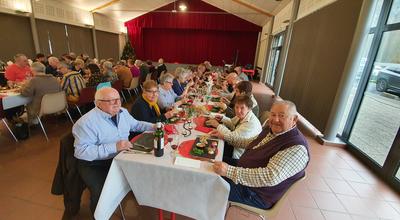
{"x":197,"y":36}
{"x":194,"y":46}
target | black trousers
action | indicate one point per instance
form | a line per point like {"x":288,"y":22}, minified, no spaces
{"x":228,"y":153}
{"x":93,"y":174}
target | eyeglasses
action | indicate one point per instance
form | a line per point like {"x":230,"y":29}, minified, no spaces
{"x":110,"y":100}
{"x":152,"y":91}
{"x":170,"y":82}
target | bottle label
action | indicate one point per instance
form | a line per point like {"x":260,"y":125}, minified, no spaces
{"x":162,"y":143}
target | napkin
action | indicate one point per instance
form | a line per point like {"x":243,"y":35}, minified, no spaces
{"x":200,"y":121}
{"x":170,"y":129}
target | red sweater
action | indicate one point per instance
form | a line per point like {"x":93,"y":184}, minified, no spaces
{"x":16,"y":73}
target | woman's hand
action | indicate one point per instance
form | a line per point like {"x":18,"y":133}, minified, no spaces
{"x":212,"y":122}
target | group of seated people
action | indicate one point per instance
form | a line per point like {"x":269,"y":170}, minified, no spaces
{"x":69,"y":73}
{"x":259,"y":163}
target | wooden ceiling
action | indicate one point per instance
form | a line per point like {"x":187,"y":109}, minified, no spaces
{"x":255,"y":11}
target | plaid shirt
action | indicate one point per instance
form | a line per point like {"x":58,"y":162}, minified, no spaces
{"x":281,"y":166}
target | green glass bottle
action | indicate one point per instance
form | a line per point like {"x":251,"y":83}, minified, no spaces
{"x":159,"y":141}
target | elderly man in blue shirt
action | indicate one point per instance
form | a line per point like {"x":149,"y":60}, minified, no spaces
{"x":99,"y":136}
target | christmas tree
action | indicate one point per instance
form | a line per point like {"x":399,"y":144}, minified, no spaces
{"x":128,"y":52}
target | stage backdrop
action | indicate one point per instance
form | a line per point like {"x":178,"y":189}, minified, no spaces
{"x":203,"y":33}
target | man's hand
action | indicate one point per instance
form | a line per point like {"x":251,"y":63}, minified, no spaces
{"x":123,"y":145}
{"x":220,"y":168}
{"x":217,"y":134}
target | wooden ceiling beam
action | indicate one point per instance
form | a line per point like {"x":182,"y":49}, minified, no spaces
{"x":253,"y":8}
{"x":105,"y":5}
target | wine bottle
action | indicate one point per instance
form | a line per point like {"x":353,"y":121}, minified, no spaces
{"x":159,"y":141}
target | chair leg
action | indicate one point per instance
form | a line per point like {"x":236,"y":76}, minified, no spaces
{"x":41,"y":125}
{"x":77,"y":108}
{"x":4,"y":121}
{"x":122,"y":211}
{"x":69,"y":116}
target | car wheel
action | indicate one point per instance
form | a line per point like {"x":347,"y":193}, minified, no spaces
{"x":381,"y":85}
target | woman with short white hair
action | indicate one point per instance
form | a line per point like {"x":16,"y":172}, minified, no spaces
{"x":108,"y":72}
{"x":167,"y":96}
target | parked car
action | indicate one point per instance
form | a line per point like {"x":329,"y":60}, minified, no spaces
{"x":388,"y":79}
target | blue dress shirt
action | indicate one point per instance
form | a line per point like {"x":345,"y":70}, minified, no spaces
{"x":96,"y":134}
{"x":166,"y":98}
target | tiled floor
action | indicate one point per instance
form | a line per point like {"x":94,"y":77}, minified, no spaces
{"x":337,"y":186}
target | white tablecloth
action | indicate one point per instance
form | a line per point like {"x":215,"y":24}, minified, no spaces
{"x":14,"y":100}
{"x":156,"y":182}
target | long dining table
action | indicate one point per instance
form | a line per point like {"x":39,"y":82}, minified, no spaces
{"x":11,"y":99}
{"x":158,"y":182}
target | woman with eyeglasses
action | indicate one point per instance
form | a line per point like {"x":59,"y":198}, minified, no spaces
{"x":168,"y":97}
{"x":146,"y":108}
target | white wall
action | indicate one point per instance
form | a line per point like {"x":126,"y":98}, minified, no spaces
{"x":309,"y":6}
{"x":10,"y":6}
{"x":63,"y":13}
{"x":104,"y":23}
{"x":281,"y":17}
{"x":262,"y":54}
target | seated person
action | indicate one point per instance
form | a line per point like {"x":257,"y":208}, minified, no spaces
{"x":244,"y":125}
{"x":272,"y":162}
{"x":124,"y":74}
{"x":229,"y":84}
{"x":93,"y":74}
{"x":77,"y":66}
{"x":134,"y":67}
{"x":37,"y":87}
{"x":52,"y":67}
{"x":99,"y":135}
{"x":72,"y":82}
{"x":108,"y":72}
{"x":242,"y":88}
{"x":180,"y":83}
{"x":167,"y":96}
{"x":241,"y":74}
{"x":161,"y":67}
{"x":18,"y":71}
{"x":146,"y":108}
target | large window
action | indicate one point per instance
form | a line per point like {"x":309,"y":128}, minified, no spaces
{"x":276,"y":49}
{"x":371,"y":121}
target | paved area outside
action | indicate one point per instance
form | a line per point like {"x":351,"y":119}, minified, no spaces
{"x":377,"y":123}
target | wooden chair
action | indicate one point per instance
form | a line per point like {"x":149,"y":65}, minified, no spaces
{"x":242,"y":212}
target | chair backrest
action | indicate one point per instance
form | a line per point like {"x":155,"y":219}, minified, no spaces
{"x":264,"y":117}
{"x":87,"y":95}
{"x":53,"y":103}
{"x":103,"y":84}
{"x":118,"y":85}
{"x":134,"y":83}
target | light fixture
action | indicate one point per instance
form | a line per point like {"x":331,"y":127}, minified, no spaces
{"x":182,"y":7}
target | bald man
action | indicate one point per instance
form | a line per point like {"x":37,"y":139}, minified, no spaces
{"x":99,"y":135}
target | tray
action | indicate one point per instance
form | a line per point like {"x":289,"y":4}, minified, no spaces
{"x":205,"y":153}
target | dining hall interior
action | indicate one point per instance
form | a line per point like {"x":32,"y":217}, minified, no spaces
{"x":338,"y":61}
